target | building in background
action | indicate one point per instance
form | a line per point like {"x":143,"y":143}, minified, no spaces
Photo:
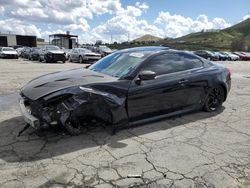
{"x":41,"y":42}
{"x":17,"y":40}
{"x":64,"y":40}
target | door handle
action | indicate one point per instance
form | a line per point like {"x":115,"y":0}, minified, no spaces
{"x":183,"y":81}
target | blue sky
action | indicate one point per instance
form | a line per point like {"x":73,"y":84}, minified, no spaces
{"x":99,"y":19}
{"x":230,"y":10}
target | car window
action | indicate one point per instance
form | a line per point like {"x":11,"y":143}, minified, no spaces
{"x":52,"y":48}
{"x":170,"y":63}
{"x":8,"y":49}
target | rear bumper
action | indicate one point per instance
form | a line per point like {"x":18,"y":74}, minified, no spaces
{"x":27,"y":116}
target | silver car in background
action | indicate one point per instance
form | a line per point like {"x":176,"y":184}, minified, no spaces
{"x":83,"y":55}
{"x":232,"y":57}
{"x":8,"y":53}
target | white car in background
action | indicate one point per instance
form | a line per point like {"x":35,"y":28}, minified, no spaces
{"x":232,"y":56}
{"x":8,"y":52}
{"x":83,"y":55}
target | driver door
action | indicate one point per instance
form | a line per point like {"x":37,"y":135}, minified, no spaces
{"x":168,"y":92}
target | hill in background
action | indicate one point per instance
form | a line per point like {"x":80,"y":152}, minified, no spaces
{"x":147,"y":38}
{"x":235,"y":38}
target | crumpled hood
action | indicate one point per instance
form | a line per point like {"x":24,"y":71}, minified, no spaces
{"x":53,"y":82}
{"x":10,"y":52}
{"x":56,"y":51}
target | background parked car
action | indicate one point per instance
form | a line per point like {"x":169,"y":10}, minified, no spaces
{"x":25,"y":52}
{"x":83,"y":55}
{"x":232,"y":57}
{"x":206,"y":54}
{"x":34,"y":54}
{"x":222,"y":56}
{"x":8,"y":52}
{"x":246,"y":55}
{"x":19,"y":51}
{"x":243,"y":57}
{"x":103,"y":50}
{"x":51,"y":54}
{"x":66,"y":53}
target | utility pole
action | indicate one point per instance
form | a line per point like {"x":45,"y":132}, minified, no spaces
{"x":111,"y":39}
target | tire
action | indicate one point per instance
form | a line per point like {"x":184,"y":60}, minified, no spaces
{"x":46,"y":61}
{"x":63,"y":61}
{"x":81,"y":59}
{"x":73,"y":129}
{"x":40,"y":59}
{"x":214,"y":99}
{"x":70,"y":60}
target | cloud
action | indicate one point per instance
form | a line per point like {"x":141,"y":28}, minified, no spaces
{"x":44,"y":17}
{"x":20,"y":27}
{"x":126,"y":24}
{"x":2,"y":9}
{"x":178,"y":25}
{"x":246,"y":17}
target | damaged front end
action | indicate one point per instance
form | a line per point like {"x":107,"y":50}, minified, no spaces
{"x":74,"y":106}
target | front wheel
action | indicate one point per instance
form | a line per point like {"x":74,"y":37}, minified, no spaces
{"x":73,"y":129}
{"x":81,"y":60}
{"x":214,"y":99}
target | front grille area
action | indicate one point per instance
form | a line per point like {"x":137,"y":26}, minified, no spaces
{"x":58,"y":57}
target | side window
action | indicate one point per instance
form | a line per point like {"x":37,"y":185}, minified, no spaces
{"x":170,"y":63}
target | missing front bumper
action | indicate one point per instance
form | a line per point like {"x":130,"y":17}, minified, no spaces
{"x":27,"y":116}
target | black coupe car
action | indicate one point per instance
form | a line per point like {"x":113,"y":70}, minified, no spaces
{"x":127,"y":87}
{"x":51,"y":54}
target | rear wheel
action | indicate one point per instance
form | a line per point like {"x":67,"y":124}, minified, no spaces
{"x":215,"y":99}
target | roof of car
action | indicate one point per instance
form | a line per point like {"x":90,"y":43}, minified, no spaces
{"x":145,"y":48}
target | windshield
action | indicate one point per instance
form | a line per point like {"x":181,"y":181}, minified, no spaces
{"x":84,"y":50}
{"x":53,"y":48}
{"x":118,"y":64}
{"x":34,"y":50}
{"x":8,"y":49}
{"x":105,"y":48}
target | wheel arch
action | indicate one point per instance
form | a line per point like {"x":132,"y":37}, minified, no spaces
{"x":223,"y":85}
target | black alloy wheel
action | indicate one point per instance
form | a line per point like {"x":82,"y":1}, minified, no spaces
{"x":214,"y":99}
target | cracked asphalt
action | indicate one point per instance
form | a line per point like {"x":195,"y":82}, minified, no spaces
{"x":195,"y":150}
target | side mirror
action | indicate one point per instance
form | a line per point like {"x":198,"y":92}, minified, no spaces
{"x":147,"y":75}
